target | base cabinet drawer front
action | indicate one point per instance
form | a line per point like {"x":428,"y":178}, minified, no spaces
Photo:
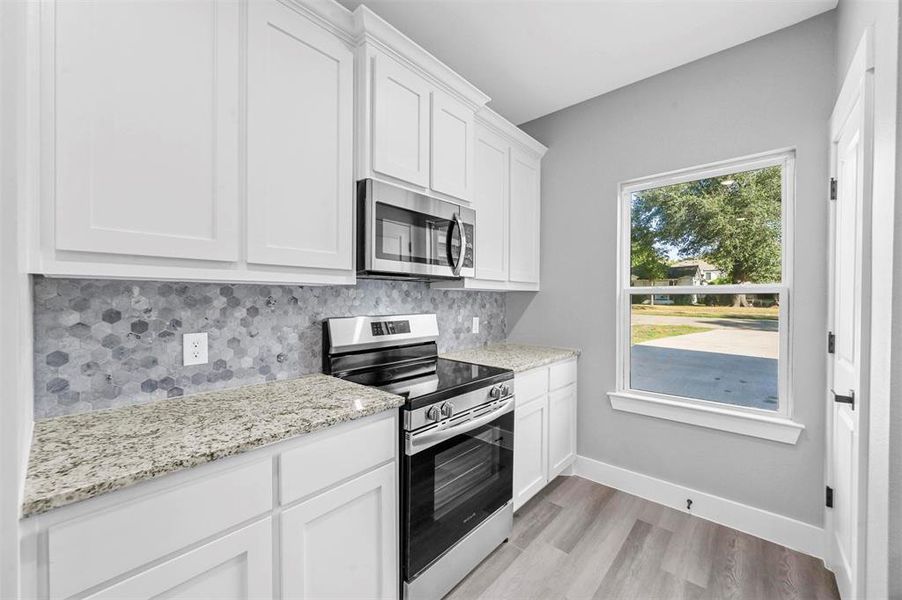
{"x":300,"y":141}
{"x":343,"y":543}
{"x":337,"y":456}
{"x":100,"y":546}
{"x":561,"y":374}
{"x":145,"y":128}
{"x":561,"y":429}
{"x":530,"y":450}
{"x":234,"y":567}
{"x":530,"y":385}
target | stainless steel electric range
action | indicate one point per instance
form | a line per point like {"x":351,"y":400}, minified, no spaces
{"x":456,"y":439}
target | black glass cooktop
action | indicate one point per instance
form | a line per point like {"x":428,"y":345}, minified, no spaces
{"x":451,"y":378}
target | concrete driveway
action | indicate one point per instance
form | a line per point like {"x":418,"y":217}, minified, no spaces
{"x":716,"y":376}
{"x":742,"y":342}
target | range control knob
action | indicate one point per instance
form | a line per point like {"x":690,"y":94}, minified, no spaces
{"x":447,"y":409}
{"x":432,"y":414}
{"x":495,"y":392}
{"x":505,"y":390}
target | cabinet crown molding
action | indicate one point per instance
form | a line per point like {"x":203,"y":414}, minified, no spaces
{"x":371,"y":28}
{"x":489,"y":118}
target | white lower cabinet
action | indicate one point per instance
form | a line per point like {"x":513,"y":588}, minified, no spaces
{"x":561,"y":429}
{"x":208,"y":532}
{"x":545,"y":428}
{"x":238,"y":565}
{"x":342,"y":543}
{"x":530,"y":450}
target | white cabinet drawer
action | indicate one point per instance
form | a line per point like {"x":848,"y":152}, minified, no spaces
{"x":328,"y":460}
{"x":530,"y":385}
{"x":238,"y":565}
{"x":93,"y":549}
{"x":561,"y":374}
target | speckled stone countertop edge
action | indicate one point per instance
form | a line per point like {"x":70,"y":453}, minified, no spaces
{"x":509,"y":355}
{"x":39,"y":501}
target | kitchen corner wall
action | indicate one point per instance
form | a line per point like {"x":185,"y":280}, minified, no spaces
{"x":770,"y":93}
{"x":100,"y":344}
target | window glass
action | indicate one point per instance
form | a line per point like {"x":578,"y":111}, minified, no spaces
{"x":681,"y":346}
{"x":716,"y":230}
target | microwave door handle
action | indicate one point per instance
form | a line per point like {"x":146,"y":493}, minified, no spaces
{"x":417,"y":442}
{"x":463,"y":245}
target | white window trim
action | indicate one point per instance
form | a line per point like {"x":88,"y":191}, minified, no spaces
{"x":773,"y":425}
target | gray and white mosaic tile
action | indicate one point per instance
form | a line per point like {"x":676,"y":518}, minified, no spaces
{"x":100,"y":344}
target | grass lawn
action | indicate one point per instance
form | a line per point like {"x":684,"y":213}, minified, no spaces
{"x":645,"y":333}
{"x":716,"y":312}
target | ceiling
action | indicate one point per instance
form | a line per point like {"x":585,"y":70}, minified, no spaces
{"x":534,"y":57}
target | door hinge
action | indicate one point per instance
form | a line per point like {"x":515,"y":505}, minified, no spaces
{"x":831,"y":343}
{"x":829,"y":498}
{"x":833,"y":188}
{"x":850,"y":399}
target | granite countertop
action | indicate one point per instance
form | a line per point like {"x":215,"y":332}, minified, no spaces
{"x":81,"y":456}
{"x":517,"y":357}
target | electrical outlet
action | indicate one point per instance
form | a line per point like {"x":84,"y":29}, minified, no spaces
{"x":194,"y":349}
{"x":475,"y":324}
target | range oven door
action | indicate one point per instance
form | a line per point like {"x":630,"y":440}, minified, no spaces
{"x":408,"y":234}
{"x":453,"y":478}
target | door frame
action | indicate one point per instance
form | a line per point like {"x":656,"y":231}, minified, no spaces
{"x":857,"y":83}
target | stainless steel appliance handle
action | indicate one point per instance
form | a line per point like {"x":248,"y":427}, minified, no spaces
{"x":417,"y":442}
{"x":463,"y":245}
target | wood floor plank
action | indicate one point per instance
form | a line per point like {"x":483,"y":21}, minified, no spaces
{"x":579,"y":516}
{"x":621,"y":546}
{"x":588,"y":562}
{"x":534,"y":522}
{"x":638,"y":564}
{"x":690,"y":554}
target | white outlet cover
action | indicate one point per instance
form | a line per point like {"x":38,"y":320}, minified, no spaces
{"x":194,"y":349}
{"x":475,"y":324}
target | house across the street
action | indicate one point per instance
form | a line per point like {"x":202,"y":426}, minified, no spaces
{"x":684,"y":272}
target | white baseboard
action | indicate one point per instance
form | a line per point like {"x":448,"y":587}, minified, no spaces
{"x":764,"y":524}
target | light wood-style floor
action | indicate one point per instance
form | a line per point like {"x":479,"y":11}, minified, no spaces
{"x":577,"y":539}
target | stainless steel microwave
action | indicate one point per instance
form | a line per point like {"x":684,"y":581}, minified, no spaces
{"x":405,"y":234}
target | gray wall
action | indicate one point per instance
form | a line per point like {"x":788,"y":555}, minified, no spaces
{"x":884,"y":544}
{"x":771,"y":93}
{"x":99,"y":344}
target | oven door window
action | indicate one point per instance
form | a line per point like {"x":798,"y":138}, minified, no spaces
{"x":404,"y":235}
{"x":452,"y":487}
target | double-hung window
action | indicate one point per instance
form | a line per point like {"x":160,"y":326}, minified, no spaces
{"x":705,"y":290}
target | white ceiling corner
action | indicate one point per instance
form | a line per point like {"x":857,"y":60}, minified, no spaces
{"x":534,"y":57}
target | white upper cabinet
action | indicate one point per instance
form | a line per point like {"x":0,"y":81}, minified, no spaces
{"x":524,"y":218}
{"x":300,"y":139}
{"x":143,"y":146}
{"x":491,"y":201}
{"x":400,"y":113}
{"x":415,"y":115}
{"x":452,"y":147}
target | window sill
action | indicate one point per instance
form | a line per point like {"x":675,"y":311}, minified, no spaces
{"x":778,"y":429}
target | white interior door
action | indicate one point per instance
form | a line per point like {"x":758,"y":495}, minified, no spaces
{"x":850,"y":162}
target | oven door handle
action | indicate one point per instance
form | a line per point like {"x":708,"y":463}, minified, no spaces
{"x":459,"y":264}
{"x":420,"y":441}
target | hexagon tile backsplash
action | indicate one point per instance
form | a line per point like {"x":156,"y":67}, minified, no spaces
{"x":100,"y":344}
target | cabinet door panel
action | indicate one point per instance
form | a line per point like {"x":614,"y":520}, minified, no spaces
{"x":144,"y":148}
{"x":452,"y":147}
{"x":300,"y":141}
{"x":343,"y":543}
{"x":530,"y":450}
{"x":561,"y":429}
{"x":400,"y":122}
{"x":491,"y":195}
{"x":524,"y":218}
{"x":237,"y":566}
